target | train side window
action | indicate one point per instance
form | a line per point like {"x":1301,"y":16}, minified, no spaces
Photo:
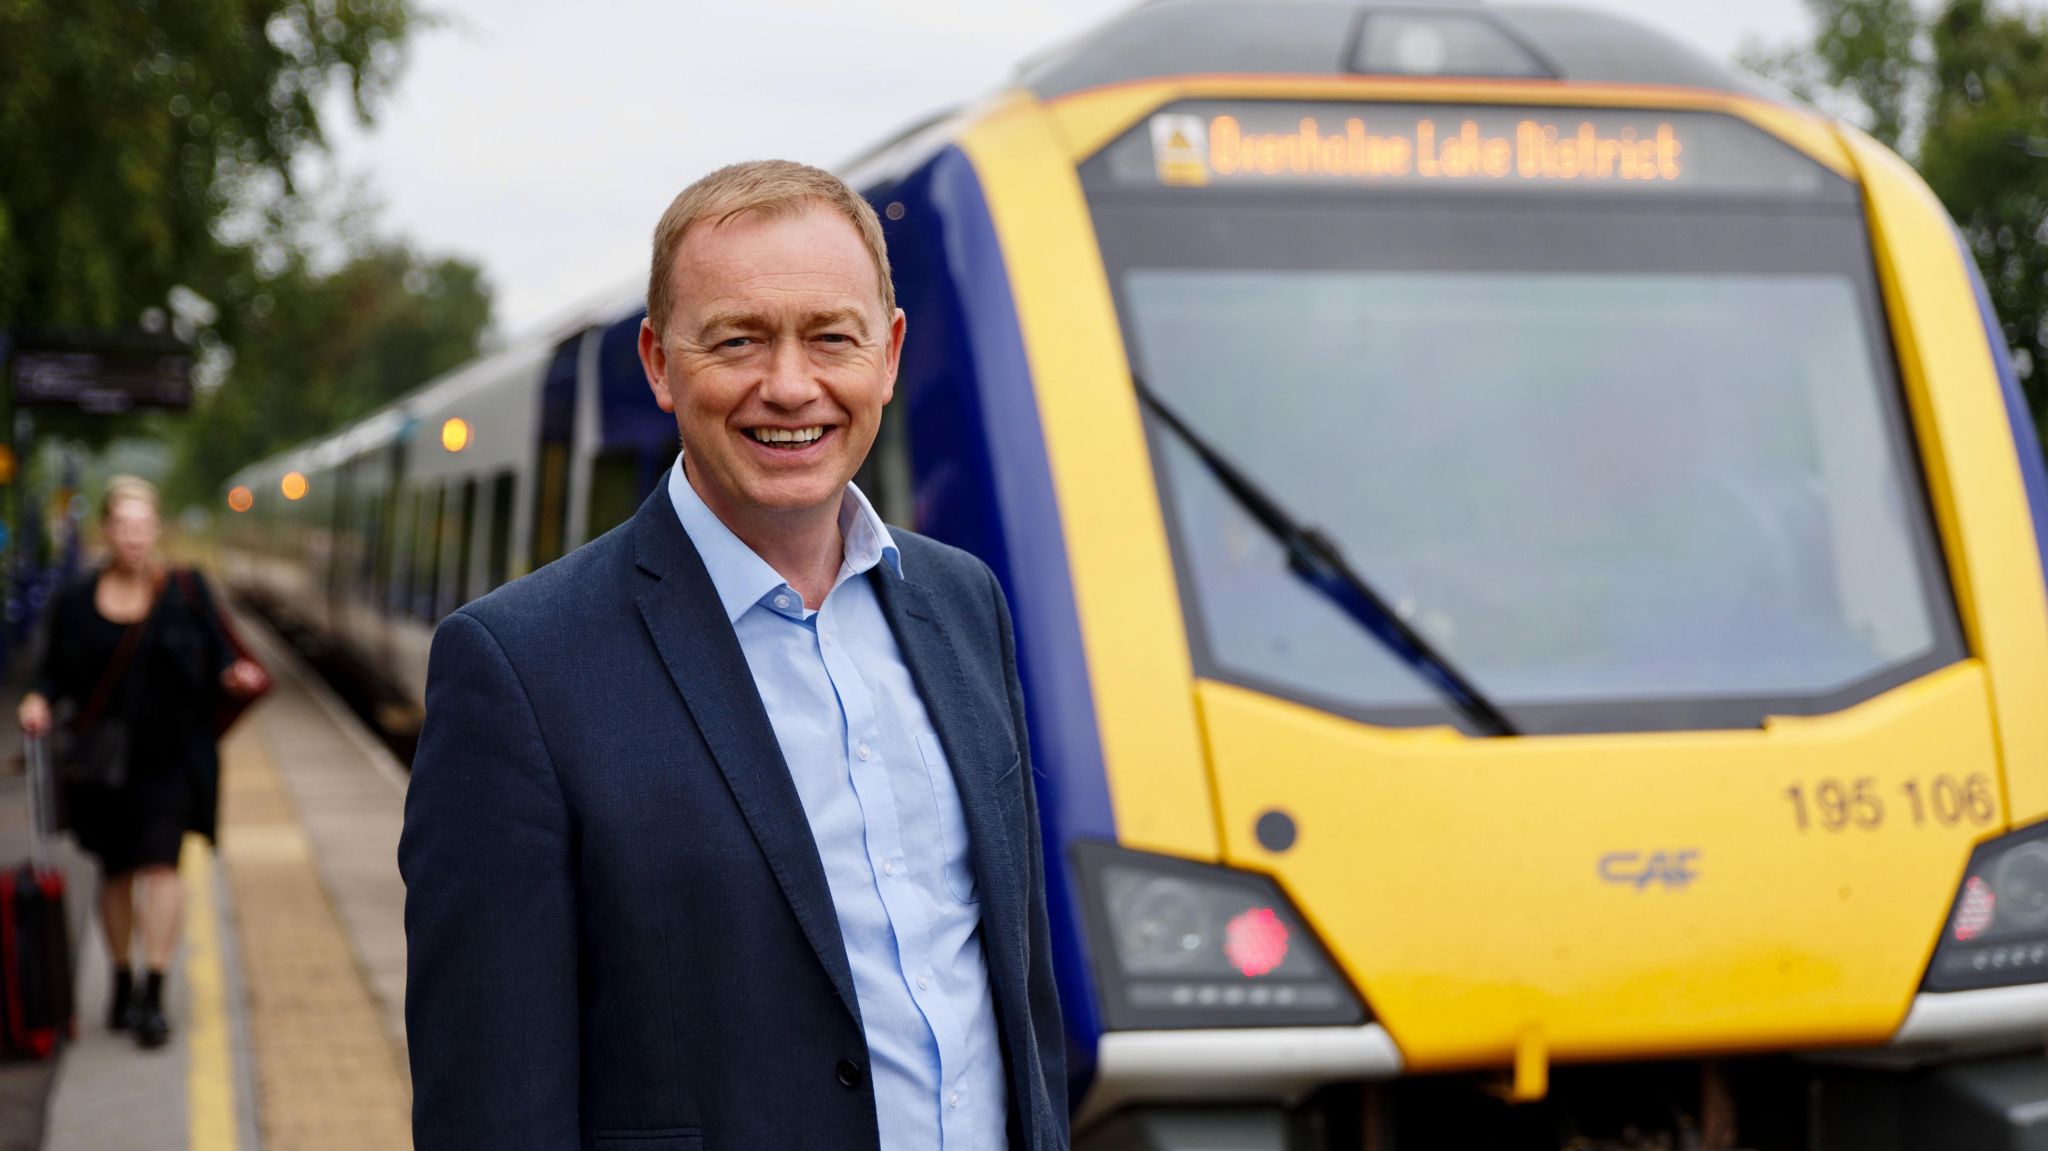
{"x":885,"y":476}
{"x":614,"y":490}
{"x":551,"y":510}
{"x":498,"y":551}
{"x":465,"y":527}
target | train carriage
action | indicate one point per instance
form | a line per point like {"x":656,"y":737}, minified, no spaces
{"x":1526,"y":550}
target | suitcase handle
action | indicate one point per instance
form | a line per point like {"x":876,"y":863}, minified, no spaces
{"x":36,"y":750}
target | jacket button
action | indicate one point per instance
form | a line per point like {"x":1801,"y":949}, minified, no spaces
{"x":849,"y":1073}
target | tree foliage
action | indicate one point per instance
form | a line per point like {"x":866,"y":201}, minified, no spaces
{"x":1985,"y":153}
{"x":1963,"y":93}
{"x":133,"y":131}
{"x":314,"y":349}
{"x":148,"y":144}
{"x":1863,"y":62}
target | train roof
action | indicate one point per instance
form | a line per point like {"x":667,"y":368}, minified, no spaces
{"x":1163,"y":38}
{"x":1473,"y":40}
{"x":388,"y":422}
{"x":1359,"y":37}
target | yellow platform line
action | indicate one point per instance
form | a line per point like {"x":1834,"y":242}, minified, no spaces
{"x":210,"y":1082}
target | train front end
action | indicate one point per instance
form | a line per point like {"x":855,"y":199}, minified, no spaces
{"x":1668,"y":417}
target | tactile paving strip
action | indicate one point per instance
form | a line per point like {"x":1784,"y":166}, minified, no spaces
{"x":327,"y":1076}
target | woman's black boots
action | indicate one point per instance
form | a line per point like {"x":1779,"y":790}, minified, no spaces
{"x":121,"y":1012}
{"x":141,"y":1013}
{"x":152,"y":1030}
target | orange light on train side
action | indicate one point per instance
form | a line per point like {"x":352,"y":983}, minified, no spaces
{"x":455,"y":434}
{"x":241,"y":499}
{"x":293,"y":486}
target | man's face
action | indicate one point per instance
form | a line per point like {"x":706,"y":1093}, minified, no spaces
{"x":776,"y":360}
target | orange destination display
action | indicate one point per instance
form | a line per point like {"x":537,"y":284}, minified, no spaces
{"x":1536,"y":151}
{"x":1200,"y":144}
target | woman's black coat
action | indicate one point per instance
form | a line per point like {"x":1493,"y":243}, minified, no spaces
{"x":171,"y":713}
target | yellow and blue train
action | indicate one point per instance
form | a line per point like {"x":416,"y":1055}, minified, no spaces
{"x":1527,"y":556}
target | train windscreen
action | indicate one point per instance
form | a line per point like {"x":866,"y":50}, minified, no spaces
{"x":1628,"y":448}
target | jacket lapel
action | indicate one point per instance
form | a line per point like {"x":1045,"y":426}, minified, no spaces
{"x":981,"y":755}
{"x":703,"y":656}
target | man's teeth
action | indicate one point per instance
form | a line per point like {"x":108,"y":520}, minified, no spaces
{"x":787,"y":435}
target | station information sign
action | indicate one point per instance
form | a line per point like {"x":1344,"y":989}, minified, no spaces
{"x":1294,"y":144}
{"x":100,"y":372}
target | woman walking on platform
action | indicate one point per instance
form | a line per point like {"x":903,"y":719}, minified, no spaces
{"x":137,"y":654}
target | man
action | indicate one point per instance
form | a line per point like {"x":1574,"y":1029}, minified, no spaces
{"x":722,"y":831}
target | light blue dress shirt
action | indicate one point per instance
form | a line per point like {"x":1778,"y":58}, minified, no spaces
{"x":883,"y":809}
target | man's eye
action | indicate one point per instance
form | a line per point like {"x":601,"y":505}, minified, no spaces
{"x":736,"y":342}
{"x":836,"y":338}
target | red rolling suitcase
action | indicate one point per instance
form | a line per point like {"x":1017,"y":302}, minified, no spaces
{"x":35,"y":942}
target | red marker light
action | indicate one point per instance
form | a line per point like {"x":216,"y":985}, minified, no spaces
{"x":1255,"y":941}
{"x":1974,"y":917}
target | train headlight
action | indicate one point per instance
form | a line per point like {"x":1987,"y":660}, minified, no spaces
{"x":1179,"y":944}
{"x":1997,"y":929}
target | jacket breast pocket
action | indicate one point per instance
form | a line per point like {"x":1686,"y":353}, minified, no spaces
{"x":677,"y":1139}
{"x":959,"y":861}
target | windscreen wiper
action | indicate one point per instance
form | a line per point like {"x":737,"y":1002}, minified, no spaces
{"x":1315,"y":559}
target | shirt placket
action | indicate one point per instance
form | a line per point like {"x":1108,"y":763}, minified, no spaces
{"x":870,"y":769}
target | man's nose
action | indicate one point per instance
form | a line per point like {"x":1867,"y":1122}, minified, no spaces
{"x":790,"y":382}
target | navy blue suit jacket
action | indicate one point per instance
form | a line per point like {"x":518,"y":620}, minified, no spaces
{"x":619,"y":930}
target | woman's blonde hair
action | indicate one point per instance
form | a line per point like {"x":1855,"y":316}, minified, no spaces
{"x":129,"y":488}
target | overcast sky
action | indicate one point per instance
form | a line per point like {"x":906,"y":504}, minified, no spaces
{"x":542,"y":139}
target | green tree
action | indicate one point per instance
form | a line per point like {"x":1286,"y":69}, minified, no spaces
{"x":1984,"y":151}
{"x":147,"y":144}
{"x":1863,"y":61}
{"x":1964,"y":95}
{"x":133,"y":131}
{"x":314,"y":349}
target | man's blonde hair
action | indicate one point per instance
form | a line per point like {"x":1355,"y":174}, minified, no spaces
{"x":773,"y":188}
{"x":129,"y":488}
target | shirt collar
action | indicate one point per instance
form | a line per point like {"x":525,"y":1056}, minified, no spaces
{"x":741,"y":577}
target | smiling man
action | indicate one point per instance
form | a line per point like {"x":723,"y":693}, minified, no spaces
{"x":722,"y":832}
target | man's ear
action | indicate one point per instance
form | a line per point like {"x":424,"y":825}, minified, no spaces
{"x":893,"y":357}
{"x":654,"y":361}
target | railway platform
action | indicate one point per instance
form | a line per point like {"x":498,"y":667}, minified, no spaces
{"x":287,"y":997}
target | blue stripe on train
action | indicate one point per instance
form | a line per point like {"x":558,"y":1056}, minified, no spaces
{"x":628,"y":417}
{"x":2026,"y":439}
{"x":982,"y":483}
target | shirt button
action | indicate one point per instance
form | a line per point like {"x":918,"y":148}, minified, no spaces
{"x":828,"y":639}
{"x":782,"y":601}
{"x":923,"y":982}
{"x":953,"y":1100}
{"x":888,"y":867}
{"x":863,"y":753}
